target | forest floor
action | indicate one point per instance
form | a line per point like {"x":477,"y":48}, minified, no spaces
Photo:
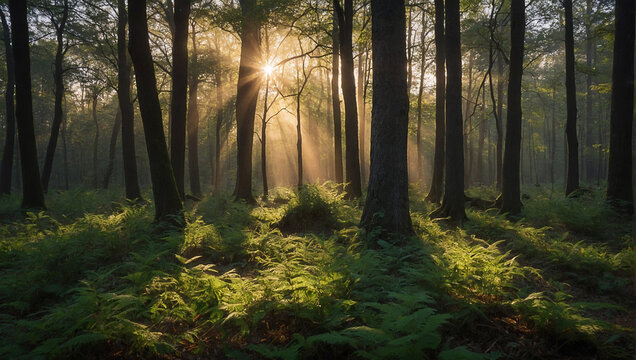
{"x":294,"y":277}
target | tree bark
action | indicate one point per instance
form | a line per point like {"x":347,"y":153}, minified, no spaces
{"x":193,"y":121}
{"x":95,"y":140}
{"x":499,"y":119}
{"x":353,"y":187}
{"x":217,"y":134}
{"x":511,"y":187}
{"x":249,"y":83}
{"x":129,"y":156}
{"x":387,"y":202}
{"x":111,"y":150}
{"x":453,"y":201}
{"x":572,"y":180}
{"x":437,"y":181}
{"x":58,"y":78}
{"x":335,"y":103}
{"x":589,"y":123}
{"x":619,"y":177}
{"x":179,"y":98}
{"x":166,"y":195}
{"x":32,"y":190}
{"x":361,"y":108}
{"x":9,"y":145}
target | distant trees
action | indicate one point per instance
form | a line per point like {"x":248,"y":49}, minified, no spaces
{"x":619,"y":177}
{"x":32,"y":191}
{"x":166,"y":195}
{"x":58,"y":14}
{"x":453,"y":200}
{"x":249,"y":83}
{"x":511,"y":186}
{"x":335,"y":101}
{"x":387,"y":202}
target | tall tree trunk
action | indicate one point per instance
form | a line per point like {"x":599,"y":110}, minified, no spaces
{"x":299,"y":134}
{"x":179,"y":97}
{"x":499,"y":119}
{"x":553,"y":139}
{"x":420,"y":92}
{"x":217,"y":134}
{"x":335,"y":102}
{"x":453,"y":201}
{"x":572,"y":181}
{"x":468,"y":124}
{"x":249,"y":83}
{"x":95,"y":140}
{"x":511,"y":187}
{"x":387,"y":203}
{"x":264,"y":140}
{"x":129,"y":156}
{"x":64,"y":146}
{"x":589,"y":121}
{"x":409,"y":50}
{"x":32,"y":190}
{"x":345,"y":26}
{"x":58,"y":78}
{"x":619,"y":177}
{"x":361,"y":117}
{"x":164,"y":186}
{"x":193,"y":120}
{"x":9,"y":145}
{"x":482,"y":137}
{"x":435,"y":193}
{"x":111,"y":150}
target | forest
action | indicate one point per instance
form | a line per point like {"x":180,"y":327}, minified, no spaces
{"x":319,"y":179}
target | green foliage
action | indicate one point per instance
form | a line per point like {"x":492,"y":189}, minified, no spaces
{"x":100,"y":282}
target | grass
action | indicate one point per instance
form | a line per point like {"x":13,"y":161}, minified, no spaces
{"x":294,"y":278}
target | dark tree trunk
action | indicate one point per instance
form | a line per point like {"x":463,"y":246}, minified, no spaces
{"x":499,"y":119}
{"x":179,"y":97}
{"x":335,"y":103}
{"x":95,"y":140}
{"x":164,"y":187}
{"x":345,"y":25}
{"x":264,"y":140}
{"x":361,"y":115}
{"x":193,"y":121}
{"x":9,"y":145}
{"x":111,"y":150}
{"x":33,"y":193}
{"x":511,"y":187}
{"x":249,"y":83}
{"x":468,"y":151}
{"x":480,"y":143}
{"x":420,"y":93}
{"x":64,"y":147}
{"x":589,"y":123}
{"x":572,"y":181}
{"x":58,"y":78}
{"x":129,"y":157}
{"x":217,"y":134}
{"x":387,"y":203}
{"x":453,"y":201}
{"x":299,"y":140}
{"x":437,"y":182}
{"x":619,"y":177}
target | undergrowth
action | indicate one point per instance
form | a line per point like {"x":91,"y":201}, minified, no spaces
{"x":294,"y":278}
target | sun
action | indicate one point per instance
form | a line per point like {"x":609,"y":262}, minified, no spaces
{"x":268,"y":69}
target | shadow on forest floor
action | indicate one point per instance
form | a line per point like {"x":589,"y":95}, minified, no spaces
{"x":294,"y":278}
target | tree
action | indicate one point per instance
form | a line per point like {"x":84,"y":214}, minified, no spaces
{"x":249,"y":83}
{"x":179,"y":96}
{"x":111,"y":150}
{"x":453,"y":201}
{"x":6,"y":169}
{"x":345,"y":30}
{"x":131,"y":180}
{"x":511,"y":188}
{"x":387,"y":203}
{"x":60,"y":25}
{"x":193,"y":118}
{"x":572,"y":181}
{"x":619,"y":177}
{"x":32,"y":191}
{"x":335,"y":101}
{"x":435,"y":193}
{"x":164,"y":187}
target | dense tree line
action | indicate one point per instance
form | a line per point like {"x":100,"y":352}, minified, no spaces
{"x":193,"y":74}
